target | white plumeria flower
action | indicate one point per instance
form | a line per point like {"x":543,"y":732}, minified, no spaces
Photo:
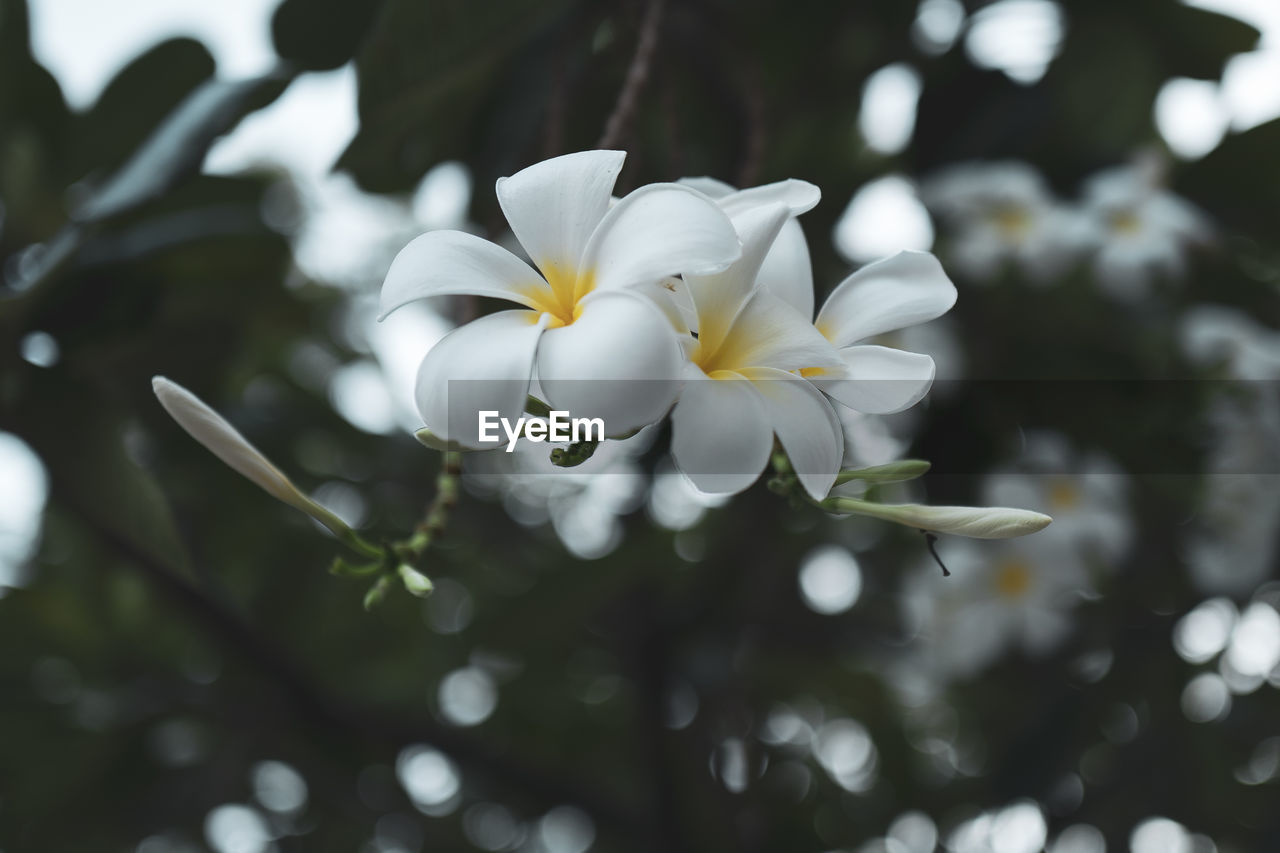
{"x":584,"y":317}
{"x":1233,"y":547}
{"x":1014,"y":594}
{"x":743,"y":385}
{"x":1247,"y":350}
{"x":882,"y":298}
{"x":223,"y":440}
{"x":904,"y":290}
{"x":1142,"y":230}
{"x":1004,"y":211}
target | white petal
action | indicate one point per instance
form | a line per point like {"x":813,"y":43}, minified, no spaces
{"x":721,"y":437}
{"x":787,"y":271}
{"x":805,"y":424}
{"x":769,"y":333}
{"x":899,"y":291}
{"x":619,"y":361}
{"x":449,"y":262}
{"x":718,"y":298}
{"x":482,"y":366}
{"x":796,"y":195}
{"x":671,"y":297}
{"x":880,"y":380}
{"x":224,"y":441}
{"x":554,"y":206}
{"x":657,"y":231}
{"x":711,"y":187}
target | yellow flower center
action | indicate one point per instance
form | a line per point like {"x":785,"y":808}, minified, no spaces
{"x":1012,"y":579}
{"x":1063,"y":495}
{"x":1012,"y":222}
{"x":1125,"y":223}
{"x":562,"y":293}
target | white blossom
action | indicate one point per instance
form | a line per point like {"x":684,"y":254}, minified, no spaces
{"x":1003,"y":212}
{"x":585,"y":326}
{"x":1141,"y":230}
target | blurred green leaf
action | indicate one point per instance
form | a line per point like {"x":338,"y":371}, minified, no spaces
{"x":81,"y":439}
{"x":1240,"y":179}
{"x":177,"y":147}
{"x":137,"y":100}
{"x":319,"y":35}
{"x":427,"y":73}
{"x":1198,"y":42}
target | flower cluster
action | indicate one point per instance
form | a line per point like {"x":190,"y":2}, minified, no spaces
{"x":691,"y":298}
{"x":1130,"y":228}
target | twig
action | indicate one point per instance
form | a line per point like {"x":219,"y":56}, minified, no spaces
{"x":437,"y":515}
{"x":753,"y":107}
{"x":616,"y":126}
{"x":652,"y":682}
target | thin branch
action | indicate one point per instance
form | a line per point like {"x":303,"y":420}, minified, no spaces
{"x":324,"y":710}
{"x":615,"y":129}
{"x":753,"y":108}
{"x":436,"y":518}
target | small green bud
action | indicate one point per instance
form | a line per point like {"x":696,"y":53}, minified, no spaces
{"x":377,"y":592}
{"x":415,"y":581}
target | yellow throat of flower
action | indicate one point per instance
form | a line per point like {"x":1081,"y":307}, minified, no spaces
{"x":1125,"y":222}
{"x":1063,"y":495}
{"x":1012,"y":579}
{"x":1013,"y":222}
{"x":562,"y":293}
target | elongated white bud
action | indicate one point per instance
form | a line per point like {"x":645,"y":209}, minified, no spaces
{"x":993,"y":522}
{"x":223,"y":440}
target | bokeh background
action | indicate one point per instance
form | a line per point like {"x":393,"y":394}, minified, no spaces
{"x":610,"y":661}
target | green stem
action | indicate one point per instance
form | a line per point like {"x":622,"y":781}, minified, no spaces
{"x":892,"y":472}
{"x":436,"y":519}
{"x":343,"y":532}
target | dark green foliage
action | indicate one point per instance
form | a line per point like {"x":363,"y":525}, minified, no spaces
{"x":170,"y":592}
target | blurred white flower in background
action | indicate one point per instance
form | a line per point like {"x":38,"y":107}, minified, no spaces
{"x":1142,"y":231}
{"x":1234,"y":544}
{"x":1086,"y":493}
{"x":1018,"y":37}
{"x":1018,"y":594}
{"x":584,"y":504}
{"x":24,"y":488}
{"x":1218,"y":336}
{"x":1003,"y":212}
{"x":1015,"y":593}
{"x":675,"y":503}
{"x":884,"y":216}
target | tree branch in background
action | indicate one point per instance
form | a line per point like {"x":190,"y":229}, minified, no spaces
{"x":619,"y":121}
{"x":324,"y":711}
